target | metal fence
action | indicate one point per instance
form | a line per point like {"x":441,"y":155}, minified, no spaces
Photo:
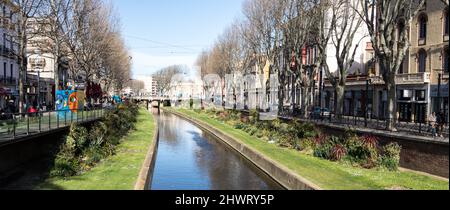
{"x":13,"y":126}
{"x":406,"y":128}
{"x":418,"y":129}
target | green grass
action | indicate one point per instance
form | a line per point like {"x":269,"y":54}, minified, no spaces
{"x":119,"y":172}
{"x":326,"y":174}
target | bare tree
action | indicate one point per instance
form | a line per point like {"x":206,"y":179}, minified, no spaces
{"x":164,"y":78}
{"x":264,"y":20}
{"x":387,"y":21}
{"x":24,"y":10}
{"x":50,"y":26}
{"x":299,"y":18}
{"x":345,"y":23}
{"x":88,"y":29}
{"x":136,"y":86}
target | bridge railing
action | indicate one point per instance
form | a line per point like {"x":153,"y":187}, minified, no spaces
{"x":13,"y":126}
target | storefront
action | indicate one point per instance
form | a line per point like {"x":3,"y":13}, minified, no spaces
{"x":440,"y":103}
{"x":412,"y":102}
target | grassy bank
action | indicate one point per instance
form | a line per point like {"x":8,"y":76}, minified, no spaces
{"x":118,"y":172}
{"x":327,"y":174}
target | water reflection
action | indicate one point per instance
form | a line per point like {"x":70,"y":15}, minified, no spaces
{"x":190,"y":159}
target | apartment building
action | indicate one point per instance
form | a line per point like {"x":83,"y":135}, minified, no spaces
{"x":9,"y":69}
{"x":422,"y":82}
{"x":150,"y":86}
{"x":41,"y":63}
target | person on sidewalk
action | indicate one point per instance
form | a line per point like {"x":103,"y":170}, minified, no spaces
{"x":441,"y":124}
{"x":432,"y":122}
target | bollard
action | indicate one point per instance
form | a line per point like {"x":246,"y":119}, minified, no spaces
{"x":28,"y":125}
{"x":14,"y":126}
{"x":49,"y":121}
{"x":40,"y":122}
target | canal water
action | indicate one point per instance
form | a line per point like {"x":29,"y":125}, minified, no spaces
{"x":191,"y":159}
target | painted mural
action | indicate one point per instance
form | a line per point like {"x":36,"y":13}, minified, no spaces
{"x":69,"y":101}
{"x":117,"y":99}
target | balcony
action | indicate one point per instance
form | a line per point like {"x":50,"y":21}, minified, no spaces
{"x":411,"y":79}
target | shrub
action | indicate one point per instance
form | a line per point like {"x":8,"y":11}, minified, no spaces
{"x":390,"y":157}
{"x":83,"y":149}
{"x":362,"y":152}
{"x":66,"y":164}
{"x":307,"y":146}
{"x":323,"y":151}
{"x":320,"y":139}
{"x":92,"y":156}
{"x":338,"y":152}
{"x":254,"y":116}
{"x":65,"y":167}
{"x":239,"y":126}
{"x":97,"y":135}
{"x":370,"y":141}
{"x":78,"y":136}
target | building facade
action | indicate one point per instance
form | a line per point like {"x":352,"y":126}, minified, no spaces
{"x":150,"y":86}
{"x":422,"y":82}
{"x":41,"y":63}
{"x":9,"y":69}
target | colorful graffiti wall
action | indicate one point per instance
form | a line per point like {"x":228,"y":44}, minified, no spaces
{"x":69,"y":101}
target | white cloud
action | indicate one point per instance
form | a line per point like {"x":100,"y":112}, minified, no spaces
{"x":146,"y":64}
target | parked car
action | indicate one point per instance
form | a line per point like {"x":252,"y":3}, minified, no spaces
{"x":319,"y":113}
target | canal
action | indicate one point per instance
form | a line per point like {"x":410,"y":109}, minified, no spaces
{"x":191,"y":159}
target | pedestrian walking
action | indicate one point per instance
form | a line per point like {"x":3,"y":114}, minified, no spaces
{"x":432,"y":123}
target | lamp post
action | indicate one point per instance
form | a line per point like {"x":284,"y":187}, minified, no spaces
{"x":38,"y":69}
{"x":439,"y":102}
{"x":368,"y":82}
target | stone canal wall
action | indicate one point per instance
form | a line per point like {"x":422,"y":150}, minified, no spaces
{"x":23,"y":150}
{"x":18,"y":153}
{"x":146,"y":174}
{"x":284,"y":176}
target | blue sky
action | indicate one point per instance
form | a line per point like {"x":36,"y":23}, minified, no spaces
{"x":166,"y":32}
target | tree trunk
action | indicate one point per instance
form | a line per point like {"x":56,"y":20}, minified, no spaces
{"x":340,"y":94}
{"x":306,"y":99}
{"x":392,"y":106}
{"x":22,"y":71}
{"x":293,"y":94}
{"x":281,"y":92}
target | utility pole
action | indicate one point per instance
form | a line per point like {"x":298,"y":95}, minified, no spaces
{"x":39,"y":90}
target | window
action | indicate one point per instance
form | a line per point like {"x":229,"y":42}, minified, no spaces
{"x":445,"y":60}
{"x":12,"y":74}
{"x":446,"y":23}
{"x":420,"y":95}
{"x":423,"y":20}
{"x":422,"y":60}
{"x":4,"y":71}
{"x":401,"y":27}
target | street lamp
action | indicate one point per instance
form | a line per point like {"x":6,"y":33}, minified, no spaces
{"x":368,"y":82}
{"x":38,"y":69}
